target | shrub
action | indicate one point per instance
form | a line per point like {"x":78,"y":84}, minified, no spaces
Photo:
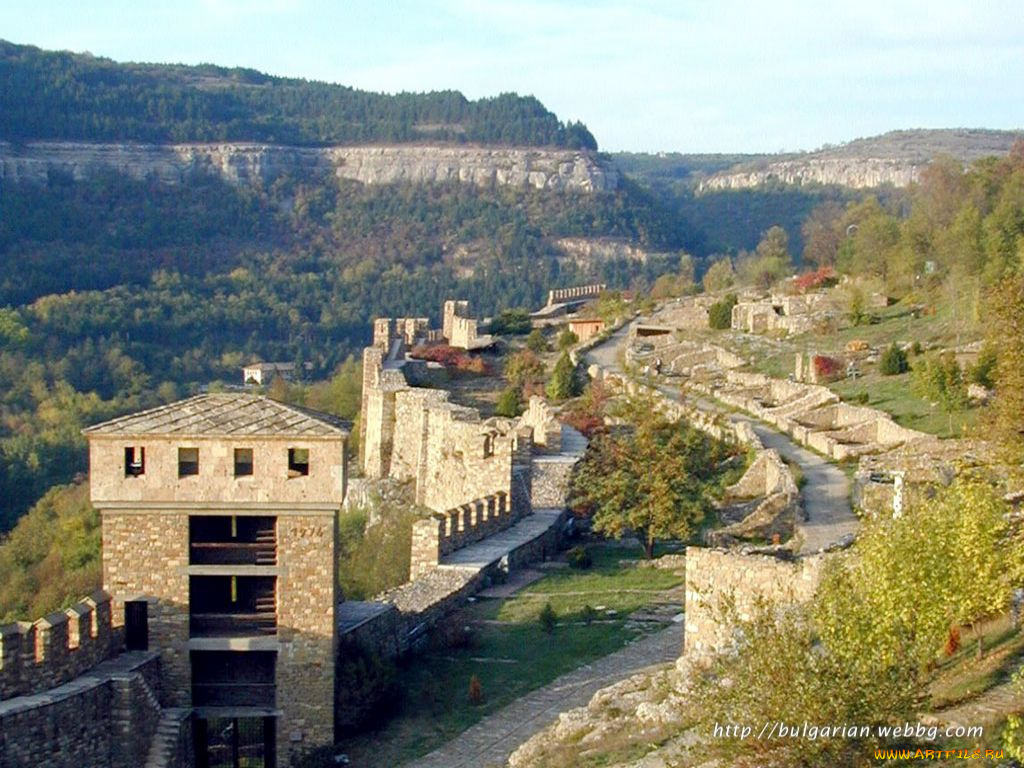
{"x":720,"y":313}
{"x":567,"y":339}
{"x":894,"y":361}
{"x":952,"y":641}
{"x":588,"y":614}
{"x":827,"y":368}
{"x":371,"y":691}
{"x":476,"y":691}
{"x":579,"y":557}
{"x":984,"y":370}
{"x":548,"y":618}
{"x":511,"y":322}
{"x":916,"y":348}
{"x":536,"y":342}
{"x":563,"y":383}
{"x":510,"y":403}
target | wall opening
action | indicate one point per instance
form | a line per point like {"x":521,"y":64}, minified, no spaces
{"x":235,"y":742}
{"x":243,"y":462}
{"x":298,"y":462}
{"x":134,"y":461}
{"x":188,"y":462}
{"x":136,"y":625}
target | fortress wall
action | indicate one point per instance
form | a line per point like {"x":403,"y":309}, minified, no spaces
{"x":408,"y":452}
{"x":445,"y":532}
{"x":559,"y":295}
{"x":723,"y":587}
{"x":131,"y":544}
{"x":104,"y":718}
{"x":542,"y":419}
{"x":463,"y":332}
{"x":56,"y":648}
{"x":464,"y":460}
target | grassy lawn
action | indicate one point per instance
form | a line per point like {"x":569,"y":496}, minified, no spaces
{"x":511,"y":654}
{"x":892,"y":394}
{"x":895,"y":396}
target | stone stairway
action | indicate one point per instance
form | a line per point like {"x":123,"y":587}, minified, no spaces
{"x":163,"y":751}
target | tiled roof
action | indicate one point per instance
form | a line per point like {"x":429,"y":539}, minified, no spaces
{"x":221,"y":415}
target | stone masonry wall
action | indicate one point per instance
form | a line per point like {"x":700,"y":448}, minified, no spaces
{"x":132,"y":543}
{"x":216,"y":481}
{"x":445,"y":532}
{"x":723,"y":586}
{"x":551,"y":477}
{"x":542,"y":419}
{"x":103,"y":719}
{"x":307,"y":595}
{"x":465,"y":460}
{"x":55,"y":649}
{"x":408,"y":454}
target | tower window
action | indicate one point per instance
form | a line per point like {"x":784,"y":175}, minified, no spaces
{"x":134,"y":461}
{"x":243,"y":462}
{"x":298,"y":462}
{"x":188,"y":462}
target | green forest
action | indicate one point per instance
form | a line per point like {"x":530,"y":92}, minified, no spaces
{"x":62,"y":95}
{"x":128,"y":293}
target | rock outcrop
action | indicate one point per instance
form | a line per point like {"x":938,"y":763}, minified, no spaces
{"x":847,"y":172}
{"x":241,"y":163}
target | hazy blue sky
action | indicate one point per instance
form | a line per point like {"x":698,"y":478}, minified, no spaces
{"x":721,"y":75}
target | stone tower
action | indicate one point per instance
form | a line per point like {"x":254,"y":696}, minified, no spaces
{"x":219,"y":550}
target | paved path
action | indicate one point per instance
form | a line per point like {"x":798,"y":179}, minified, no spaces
{"x":489,"y":743}
{"x":826,"y":492}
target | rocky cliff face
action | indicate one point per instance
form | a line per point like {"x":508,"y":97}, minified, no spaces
{"x":251,"y":163}
{"x":848,"y":172}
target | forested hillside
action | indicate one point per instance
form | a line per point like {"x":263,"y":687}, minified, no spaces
{"x":62,"y":95}
{"x":120,"y":293}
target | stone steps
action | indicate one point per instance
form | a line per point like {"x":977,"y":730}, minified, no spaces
{"x":165,"y":740}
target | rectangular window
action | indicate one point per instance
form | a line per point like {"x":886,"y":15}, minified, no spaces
{"x":134,"y":461}
{"x":188,"y":462}
{"x":243,"y":462}
{"x":298,"y":462}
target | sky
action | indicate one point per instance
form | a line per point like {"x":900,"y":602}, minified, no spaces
{"x":645,"y":76}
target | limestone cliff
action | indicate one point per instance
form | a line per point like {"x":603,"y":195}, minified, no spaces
{"x":896,"y":158}
{"x":244,"y":163}
{"x":848,"y":172}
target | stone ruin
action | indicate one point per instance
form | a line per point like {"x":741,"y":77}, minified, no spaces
{"x":478,"y":476}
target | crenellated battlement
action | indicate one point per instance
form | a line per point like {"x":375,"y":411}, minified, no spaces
{"x":576,"y":293}
{"x":36,"y":656}
{"x":444,"y":532}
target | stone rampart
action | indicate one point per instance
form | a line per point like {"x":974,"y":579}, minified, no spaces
{"x":105,"y":718}
{"x":724,"y":587}
{"x":576,"y":293}
{"x":444,"y":532}
{"x":543,"y":420}
{"x":56,"y":648}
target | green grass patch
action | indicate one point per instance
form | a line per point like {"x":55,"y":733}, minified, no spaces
{"x":511,"y":654}
{"x":895,"y":396}
{"x":622,"y":589}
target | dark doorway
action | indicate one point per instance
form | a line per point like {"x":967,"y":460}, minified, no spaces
{"x":136,"y":625}
{"x":236,"y":742}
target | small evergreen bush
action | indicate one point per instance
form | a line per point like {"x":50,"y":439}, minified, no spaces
{"x":894,"y":361}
